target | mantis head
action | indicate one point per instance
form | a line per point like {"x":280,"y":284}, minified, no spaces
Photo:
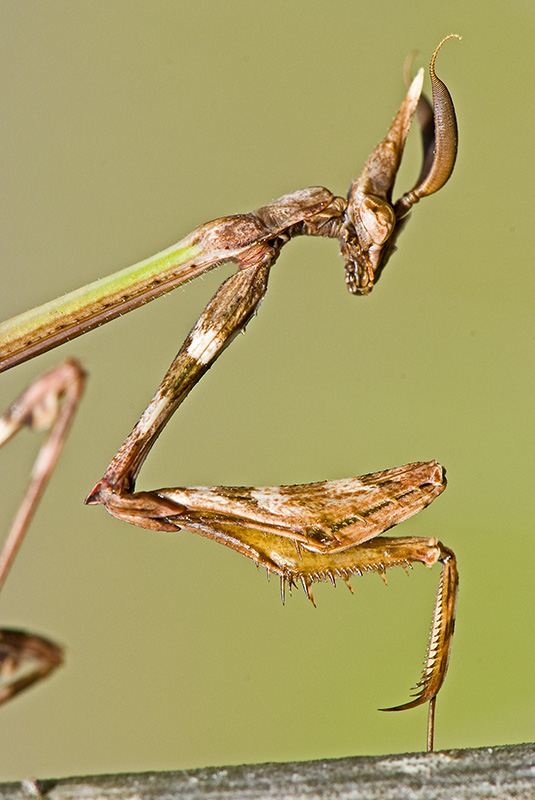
{"x":372,"y":222}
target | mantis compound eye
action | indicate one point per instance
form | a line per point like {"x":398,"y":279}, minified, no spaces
{"x":377,"y":218}
{"x":370,"y":226}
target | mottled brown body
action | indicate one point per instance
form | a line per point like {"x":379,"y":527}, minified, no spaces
{"x":327,"y":530}
{"x":303,"y":533}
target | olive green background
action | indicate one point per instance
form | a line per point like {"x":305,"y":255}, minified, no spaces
{"x":124,"y":125}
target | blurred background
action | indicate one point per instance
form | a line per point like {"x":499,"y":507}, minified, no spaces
{"x":125,"y":124}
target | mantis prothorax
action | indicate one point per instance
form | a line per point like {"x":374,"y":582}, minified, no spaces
{"x":306,"y":533}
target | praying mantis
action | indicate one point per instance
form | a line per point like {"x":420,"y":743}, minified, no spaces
{"x":302,"y":533}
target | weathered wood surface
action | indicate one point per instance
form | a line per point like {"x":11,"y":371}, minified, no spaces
{"x":490,"y":772}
